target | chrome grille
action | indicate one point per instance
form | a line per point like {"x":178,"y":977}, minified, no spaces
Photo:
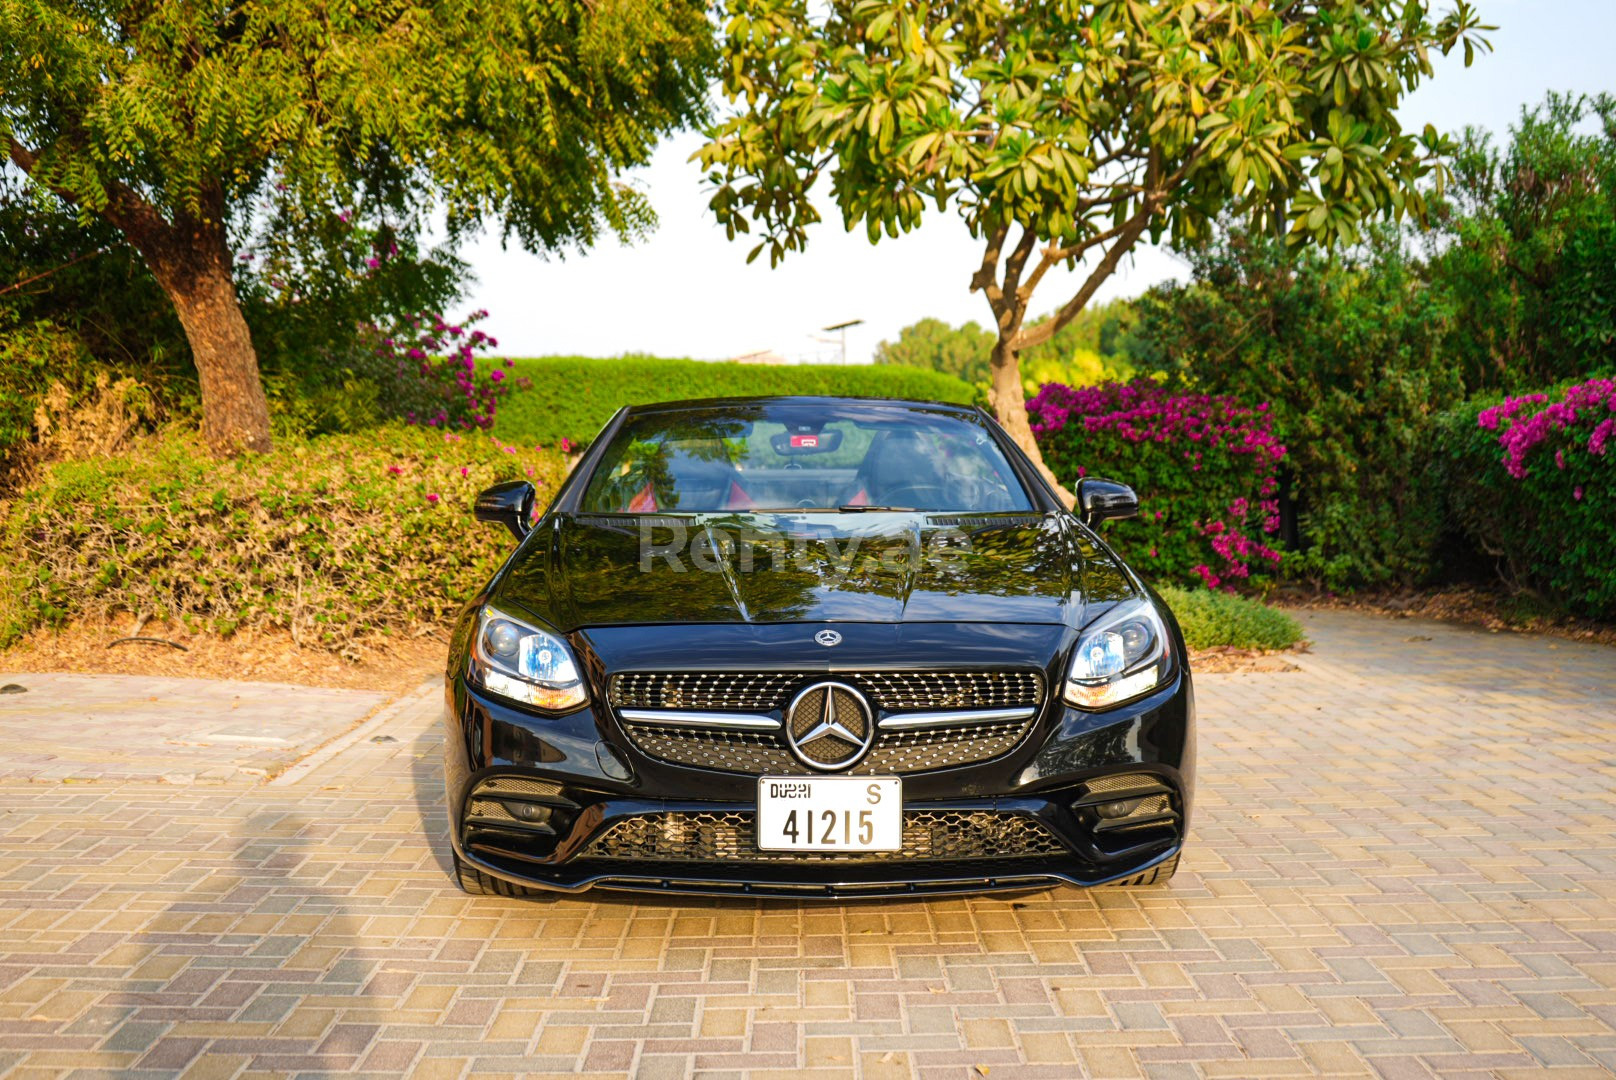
{"x":724,"y":750}
{"x":730,"y":836}
{"x":767,"y":693}
{"x":736,"y":690}
{"x":941,"y":748}
{"x":893,"y":691}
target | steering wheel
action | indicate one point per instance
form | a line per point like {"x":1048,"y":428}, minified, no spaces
{"x":916,"y":493}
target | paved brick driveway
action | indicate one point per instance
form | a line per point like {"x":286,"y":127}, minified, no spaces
{"x":1404,"y":863}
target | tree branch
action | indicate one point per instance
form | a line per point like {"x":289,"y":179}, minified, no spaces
{"x":1129,"y":234}
{"x":986,"y":277}
{"x":1012,"y":272}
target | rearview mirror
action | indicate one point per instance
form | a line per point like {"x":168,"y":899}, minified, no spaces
{"x":509,"y":504}
{"x":1100,"y":500}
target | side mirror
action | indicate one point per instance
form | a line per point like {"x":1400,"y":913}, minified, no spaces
{"x":509,"y":504}
{"x":1101,"y":500}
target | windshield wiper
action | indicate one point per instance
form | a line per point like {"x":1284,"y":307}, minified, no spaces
{"x":852,"y":509}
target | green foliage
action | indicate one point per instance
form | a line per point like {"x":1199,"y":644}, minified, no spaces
{"x":81,"y":278}
{"x":486,"y":108}
{"x":962,"y":352}
{"x":334,"y":538}
{"x":32,"y":356}
{"x":1070,"y":119}
{"x":1349,"y":353}
{"x":1531,"y":482}
{"x":1213,"y":620}
{"x":573,"y":396}
{"x":1084,"y":352}
{"x":1527,"y":248}
{"x":320,"y":289}
{"x":1057,"y":131}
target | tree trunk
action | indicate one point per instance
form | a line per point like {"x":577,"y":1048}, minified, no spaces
{"x":193,"y":267}
{"x":1009,"y":401}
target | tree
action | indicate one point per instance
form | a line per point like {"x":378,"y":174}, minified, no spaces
{"x":1526,"y":247}
{"x":167,"y":118}
{"x":1062,"y":130}
{"x":937,"y":346}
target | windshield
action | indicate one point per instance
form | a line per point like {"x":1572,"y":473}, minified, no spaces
{"x":786,"y":457}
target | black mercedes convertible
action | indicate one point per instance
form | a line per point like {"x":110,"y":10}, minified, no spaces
{"x":814,"y":647}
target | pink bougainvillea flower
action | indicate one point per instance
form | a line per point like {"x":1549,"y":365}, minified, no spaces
{"x":395,"y":470}
{"x":432,"y":497}
{"x":373,"y":262}
{"x":464,"y":471}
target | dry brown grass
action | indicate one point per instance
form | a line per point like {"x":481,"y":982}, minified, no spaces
{"x":391,"y":664}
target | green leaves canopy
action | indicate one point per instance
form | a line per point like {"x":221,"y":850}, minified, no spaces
{"x":516,"y":110}
{"x":1083,"y":122}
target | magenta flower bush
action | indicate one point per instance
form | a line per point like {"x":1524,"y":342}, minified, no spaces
{"x":1205,"y":468}
{"x":441,"y":380}
{"x":1584,"y":419}
{"x":1532,"y":480}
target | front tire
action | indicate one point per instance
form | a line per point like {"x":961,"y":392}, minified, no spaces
{"x":473,"y":881}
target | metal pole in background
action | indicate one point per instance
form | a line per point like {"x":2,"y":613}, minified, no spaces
{"x":842,"y":326}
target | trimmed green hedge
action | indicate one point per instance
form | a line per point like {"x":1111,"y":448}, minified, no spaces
{"x":1531,"y":482}
{"x":335,"y":538}
{"x":573,"y":396}
{"x":1214,"y":619}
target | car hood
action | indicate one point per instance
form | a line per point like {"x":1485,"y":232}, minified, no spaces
{"x":582,"y":570}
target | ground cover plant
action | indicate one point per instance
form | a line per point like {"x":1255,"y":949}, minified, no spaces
{"x":332,"y":538}
{"x":1213,"y":620}
{"x":1205,"y":469}
{"x":571,"y":397}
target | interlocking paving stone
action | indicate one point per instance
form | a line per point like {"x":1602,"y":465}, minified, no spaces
{"x":1401,"y":866}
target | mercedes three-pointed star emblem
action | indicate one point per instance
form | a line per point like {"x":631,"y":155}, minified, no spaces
{"x":830,"y":726}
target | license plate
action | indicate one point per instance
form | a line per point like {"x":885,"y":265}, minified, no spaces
{"x":830,"y":813}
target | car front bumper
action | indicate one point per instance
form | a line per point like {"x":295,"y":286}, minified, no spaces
{"x":607,"y":816}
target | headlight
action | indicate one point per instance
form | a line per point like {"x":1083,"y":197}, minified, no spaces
{"x":1124,"y":655}
{"x":523,"y":663}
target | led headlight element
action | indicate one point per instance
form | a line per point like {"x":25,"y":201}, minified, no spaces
{"x":521,"y":662}
{"x":1122,"y":656}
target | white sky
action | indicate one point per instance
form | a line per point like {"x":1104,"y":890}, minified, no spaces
{"x":687,"y":291}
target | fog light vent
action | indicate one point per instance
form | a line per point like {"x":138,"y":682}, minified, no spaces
{"x":1125,"y":802}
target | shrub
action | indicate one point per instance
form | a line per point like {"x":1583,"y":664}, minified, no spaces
{"x":1531,"y":480}
{"x":573,"y":396}
{"x":333,"y":538}
{"x":1204,"y":468}
{"x":1212,"y":620}
{"x":1348,"y":350}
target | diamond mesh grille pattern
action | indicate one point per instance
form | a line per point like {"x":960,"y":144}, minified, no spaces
{"x":762,"y":753}
{"x":756,"y":753}
{"x":731,"y":836}
{"x":516,"y":785}
{"x":737,"y":690}
{"x":762,"y":691}
{"x":726,"y":751}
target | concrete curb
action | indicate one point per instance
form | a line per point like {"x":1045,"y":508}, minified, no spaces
{"x":385,"y":715}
